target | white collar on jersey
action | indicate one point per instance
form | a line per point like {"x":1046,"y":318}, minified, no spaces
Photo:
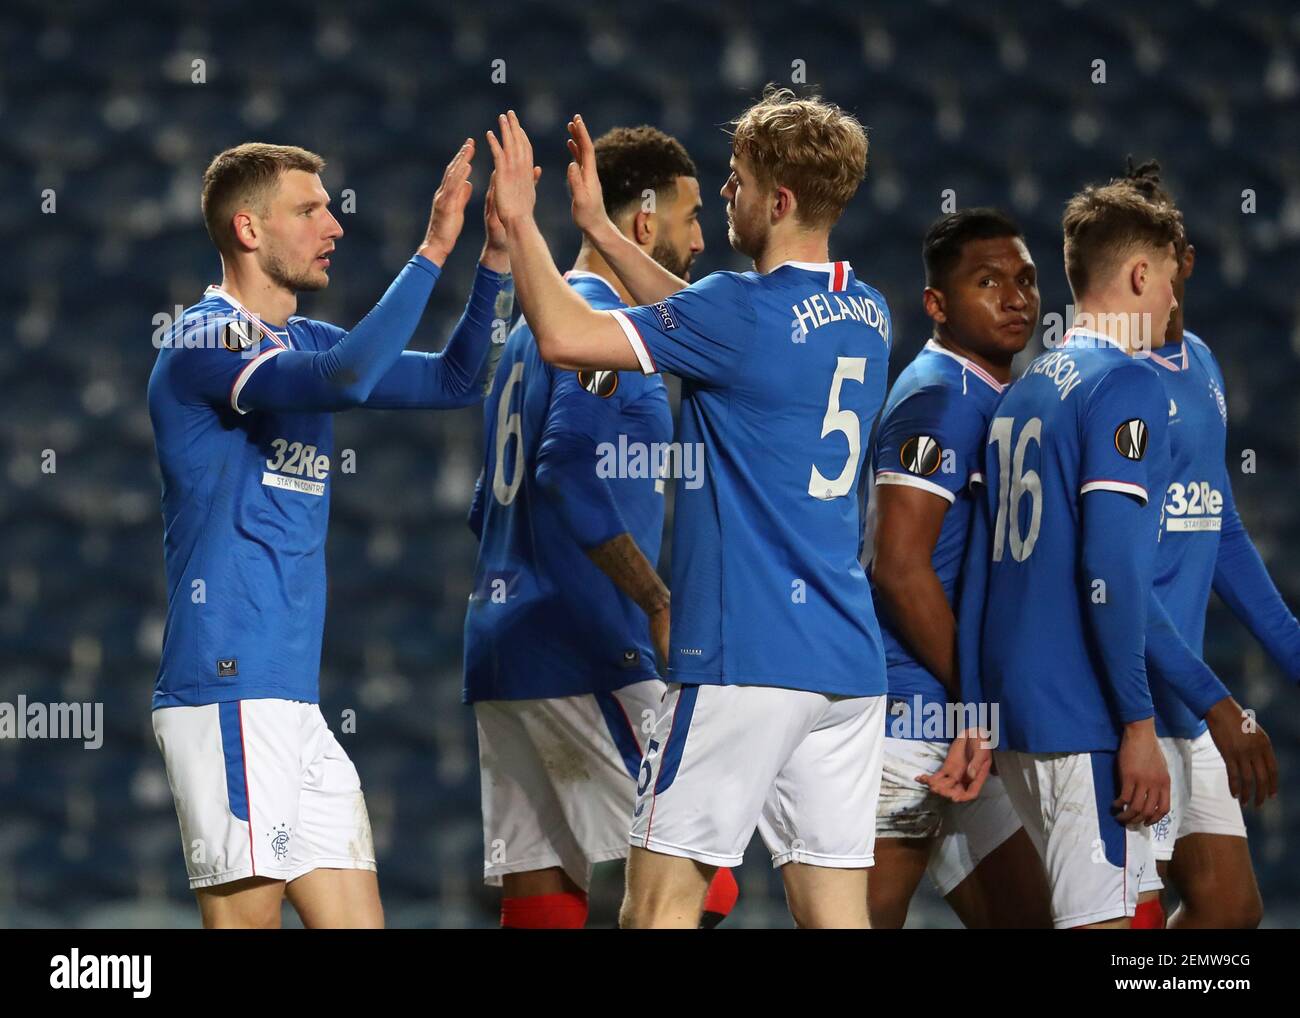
{"x":1169,"y":363}
{"x":934,"y":346}
{"x":584,"y":274}
{"x":1091,"y":335}
{"x":837,"y":273}
{"x":268,"y":331}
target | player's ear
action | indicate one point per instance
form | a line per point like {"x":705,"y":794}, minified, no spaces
{"x":783,"y":203}
{"x":643,"y":229}
{"x":1189,"y":261}
{"x":934,"y":303}
{"x":1138,"y":275}
{"x":245,"y":230}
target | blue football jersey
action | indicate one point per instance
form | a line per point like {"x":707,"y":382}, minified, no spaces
{"x":1084,"y":417}
{"x":932,"y":437}
{"x":783,"y":376}
{"x":245,"y":503}
{"x":1193,"y":505}
{"x":543,"y":620}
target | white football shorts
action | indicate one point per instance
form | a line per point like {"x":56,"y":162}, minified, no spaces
{"x":966,"y":832}
{"x":801,"y":767}
{"x":1094,"y":863}
{"x":559,"y":776}
{"x":262,"y":789}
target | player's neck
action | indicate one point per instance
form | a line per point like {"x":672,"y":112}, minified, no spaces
{"x":590,"y":260}
{"x":813,"y":248}
{"x":259,"y":294}
{"x":1126,"y":329}
{"x":1002,"y":372}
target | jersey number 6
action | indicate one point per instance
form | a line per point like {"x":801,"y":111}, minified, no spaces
{"x":509,"y":424}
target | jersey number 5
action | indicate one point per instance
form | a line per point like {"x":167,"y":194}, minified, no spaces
{"x":854,"y":368}
{"x":1014,"y":483}
{"x":508,"y":425}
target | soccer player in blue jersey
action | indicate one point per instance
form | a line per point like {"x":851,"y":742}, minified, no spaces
{"x":567,"y":613}
{"x":775,"y":713}
{"x":982,"y":294}
{"x":1058,"y":621}
{"x":241,"y":398}
{"x":1201,"y":846}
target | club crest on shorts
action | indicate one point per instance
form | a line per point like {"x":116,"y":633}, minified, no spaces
{"x":279,"y":835}
{"x":1131,"y":439}
{"x":237,"y":336}
{"x":599,"y":383}
{"x":921,"y":455}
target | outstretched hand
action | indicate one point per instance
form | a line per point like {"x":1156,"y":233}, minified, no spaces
{"x":448,"y":213}
{"x":516,"y":176}
{"x":495,"y":252}
{"x":584,"y":183}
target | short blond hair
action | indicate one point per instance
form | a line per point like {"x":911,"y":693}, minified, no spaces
{"x":246,"y":176}
{"x":809,"y":145}
{"x":1106,"y":224}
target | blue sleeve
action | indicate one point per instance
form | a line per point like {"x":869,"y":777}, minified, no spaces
{"x":698,"y":333}
{"x":1118,"y":564}
{"x":585,"y":414}
{"x":1175,"y":666}
{"x":1241,"y":579}
{"x":932,"y":439}
{"x":211,"y":359}
{"x":343,"y":375}
{"x":454,"y":377}
{"x":971,"y":596}
{"x":1123,"y":416}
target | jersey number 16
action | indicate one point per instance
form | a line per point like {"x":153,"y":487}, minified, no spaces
{"x":1014,"y":483}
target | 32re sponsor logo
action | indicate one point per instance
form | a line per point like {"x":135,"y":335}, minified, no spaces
{"x":298,"y":459}
{"x":1196,"y":498}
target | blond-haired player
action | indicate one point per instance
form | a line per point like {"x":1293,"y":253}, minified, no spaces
{"x":774,"y":718}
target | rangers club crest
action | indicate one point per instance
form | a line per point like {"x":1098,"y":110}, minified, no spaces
{"x":1131,"y":439}
{"x":1219,"y":401}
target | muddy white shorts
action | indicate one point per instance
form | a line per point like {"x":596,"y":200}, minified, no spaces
{"x":262,"y":789}
{"x":801,"y":767}
{"x":559,"y":777}
{"x":966,"y":832}
{"x":1094,"y":863}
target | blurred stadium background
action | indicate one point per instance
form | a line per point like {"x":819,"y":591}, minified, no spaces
{"x":996,"y":102}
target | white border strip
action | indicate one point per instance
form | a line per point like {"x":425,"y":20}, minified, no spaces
{"x":912,"y":481}
{"x":247,"y":373}
{"x":638,"y":344}
{"x":1123,"y":487}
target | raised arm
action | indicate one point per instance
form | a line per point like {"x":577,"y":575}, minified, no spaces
{"x":569,"y":333}
{"x":646,"y":280}
{"x":345,"y":375}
